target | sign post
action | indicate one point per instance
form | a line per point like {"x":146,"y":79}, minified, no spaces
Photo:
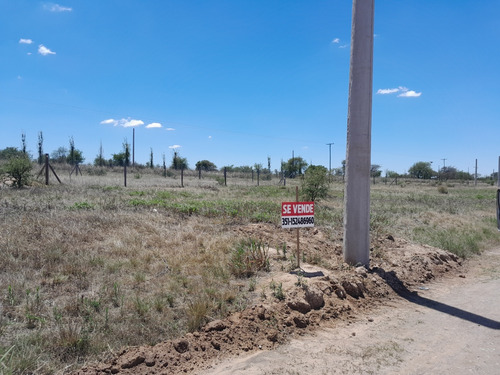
{"x":297,"y":215}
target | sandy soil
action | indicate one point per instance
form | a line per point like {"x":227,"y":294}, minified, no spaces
{"x":451,"y":326}
{"x":416,"y":310}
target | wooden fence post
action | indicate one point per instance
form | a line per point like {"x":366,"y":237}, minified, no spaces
{"x":225,"y":175}
{"x":258,"y":176}
{"x":46,"y":169}
{"x":125,"y":174}
{"x":182,"y":177}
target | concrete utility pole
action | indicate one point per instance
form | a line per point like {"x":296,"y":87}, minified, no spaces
{"x":330,"y":161}
{"x":358,"y":158}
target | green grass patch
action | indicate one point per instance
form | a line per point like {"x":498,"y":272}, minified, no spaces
{"x":463,"y":243}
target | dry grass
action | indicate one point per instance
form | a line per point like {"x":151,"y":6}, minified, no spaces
{"x":91,"y":266}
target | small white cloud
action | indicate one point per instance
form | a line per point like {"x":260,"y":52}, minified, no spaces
{"x":387,"y":91}
{"x":126,"y":123}
{"x":336,"y":41}
{"x":25,"y":41}
{"x":170,"y":129}
{"x":174,"y":147}
{"x":44,"y":51}
{"x":51,"y":7}
{"x":29,"y":53}
{"x":209,"y":137}
{"x":344,"y":46}
{"x":404,"y":92}
{"x":410,"y":94}
{"x":130,"y":123}
{"x":153,"y":125}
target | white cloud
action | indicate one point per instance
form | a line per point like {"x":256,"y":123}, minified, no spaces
{"x":51,"y":7}
{"x":387,"y":91}
{"x":410,"y":94}
{"x":44,"y":51}
{"x":209,"y":137}
{"x":153,"y":125}
{"x":336,"y":41}
{"x":126,"y":123}
{"x":170,"y":129}
{"x":29,"y":53}
{"x":404,"y":92}
{"x":173,"y":147}
{"x":25,"y":41}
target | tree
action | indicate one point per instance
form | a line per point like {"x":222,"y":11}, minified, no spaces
{"x":294,"y":167}
{"x":23,"y":142}
{"x":19,"y":168}
{"x":421,"y":170}
{"x":269,"y":164}
{"x":257,"y":166}
{"x":126,"y":152}
{"x":178,"y":162}
{"x":60,"y":155}
{"x":448,"y":173}
{"x":76,"y":158}
{"x":391,"y":174}
{"x":99,"y":160}
{"x":151,"y":165}
{"x":123,"y":158}
{"x":41,"y":159}
{"x":205,"y":165}
{"x":10,"y":152}
{"x":461,"y":175}
{"x":118,"y":159}
{"x":375,"y":170}
{"x":315,"y":182}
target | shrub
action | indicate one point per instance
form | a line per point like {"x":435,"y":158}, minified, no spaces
{"x":249,"y":256}
{"x":315,"y":183}
{"x":443,"y":189}
{"x":19,"y":168}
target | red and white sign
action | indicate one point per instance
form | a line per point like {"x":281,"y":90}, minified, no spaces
{"x":297,"y":214}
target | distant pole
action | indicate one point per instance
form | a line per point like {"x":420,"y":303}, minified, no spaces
{"x":358,"y":158}
{"x":125,"y":174}
{"x":182,"y":177}
{"x":475,"y":175}
{"x":330,"y":161}
{"x":133,"y":147}
{"x":47,"y":169}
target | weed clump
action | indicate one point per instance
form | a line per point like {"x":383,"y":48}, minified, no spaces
{"x":248,"y":257}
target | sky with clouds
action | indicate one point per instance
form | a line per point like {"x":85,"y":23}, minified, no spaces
{"x":236,"y":82}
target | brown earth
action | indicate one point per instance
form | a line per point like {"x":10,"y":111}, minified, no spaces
{"x":288,"y":305}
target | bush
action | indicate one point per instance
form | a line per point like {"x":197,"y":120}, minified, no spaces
{"x":19,"y":168}
{"x":315,"y":183}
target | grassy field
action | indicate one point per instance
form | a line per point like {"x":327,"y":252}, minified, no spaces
{"x":90,"y":266}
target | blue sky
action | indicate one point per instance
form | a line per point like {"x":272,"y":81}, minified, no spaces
{"x":237,"y":81}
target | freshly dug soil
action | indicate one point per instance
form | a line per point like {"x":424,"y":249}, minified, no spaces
{"x":288,"y":304}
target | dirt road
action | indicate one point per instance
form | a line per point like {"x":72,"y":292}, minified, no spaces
{"x":448,"y":327}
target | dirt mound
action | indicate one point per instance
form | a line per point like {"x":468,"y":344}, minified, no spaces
{"x":324,"y":291}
